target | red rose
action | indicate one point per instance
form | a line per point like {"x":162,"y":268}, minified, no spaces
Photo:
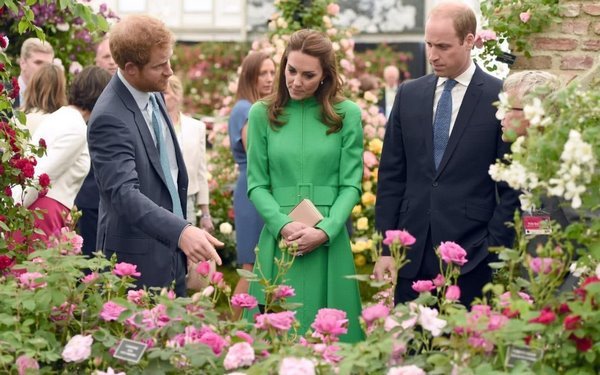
{"x":507,"y":312}
{"x":43,"y":143}
{"x":15,"y":91}
{"x":1,"y":85}
{"x":563,"y":309}
{"x":1,"y":169}
{"x":1,"y":67}
{"x":572,"y":322}
{"x":44,"y":180}
{"x":3,"y":41}
{"x":581,"y":292}
{"x":546,"y":317}
{"x":5,"y":262}
{"x":8,"y":191}
{"x":583,"y":344}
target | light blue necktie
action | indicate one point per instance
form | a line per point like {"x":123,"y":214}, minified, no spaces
{"x":164,"y":157}
{"x":441,"y":123}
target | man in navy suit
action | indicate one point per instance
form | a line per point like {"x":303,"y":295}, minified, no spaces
{"x":138,"y":164}
{"x":434,"y":182}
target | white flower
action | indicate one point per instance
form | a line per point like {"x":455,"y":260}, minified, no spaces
{"x":577,"y":271}
{"x":239,"y":355}
{"x":225,"y":228}
{"x":406,"y":370}
{"x":62,"y":26}
{"x":109,"y":371}
{"x":428,"y":320}
{"x":370,"y":97}
{"x":78,"y":349}
{"x":75,"y":67}
{"x":517,"y":145}
{"x":58,"y":62}
{"x":296,"y":366}
{"x":598,"y":270}
{"x":534,"y":112}
{"x":526,"y":203}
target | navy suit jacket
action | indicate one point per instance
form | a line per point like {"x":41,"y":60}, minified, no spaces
{"x":135,"y":214}
{"x":459,"y":202}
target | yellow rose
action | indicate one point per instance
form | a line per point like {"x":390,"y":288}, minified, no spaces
{"x":354,"y":248}
{"x":375,"y":146}
{"x":368,"y":199}
{"x":360,"y":260}
{"x":356,"y":210}
{"x":367,"y":186}
{"x":374,"y":174}
{"x":362,"y":223}
{"x":369,"y":244}
{"x":361,"y":245}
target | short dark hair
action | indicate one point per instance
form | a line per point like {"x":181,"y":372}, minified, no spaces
{"x":87,"y":87}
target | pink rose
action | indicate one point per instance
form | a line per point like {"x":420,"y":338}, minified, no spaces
{"x":439,"y":280}
{"x":496,"y":321}
{"x":78,"y":349}
{"x":541,"y":265}
{"x":125,"y":269}
{"x":484,"y":36}
{"x":77,"y":242}
{"x":111,"y":311}
{"x":422,"y":286}
{"x":374,"y":312}
{"x":281,"y":321}
{"x":31,"y":280}
{"x":370,"y":159}
{"x":25,"y":363}
{"x":136,"y":296}
{"x":296,"y":366}
{"x":283,"y":291}
{"x":216,"y":278}
{"x":239,"y":355}
{"x":400,"y":236}
{"x":505,"y":298}
{"x":328,"y":352}
{"x":452,"y":252}
{"x":330,"y":322}
{"x":244,"y":300}
{"x":524,"y":16}
{"x":244,"y":336}
{"x":203,"y":268}
{"x":333,"y":9}
{"x":88,"y":279}
{"x":406,"y":370}
{"x":214,"y":341}
{"x":453,"y":293}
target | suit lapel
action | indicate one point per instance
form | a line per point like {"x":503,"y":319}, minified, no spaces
{"x":465,"y":112}
{"x":427,"y":100}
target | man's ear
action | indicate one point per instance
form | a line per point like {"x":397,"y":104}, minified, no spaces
{"x":131,"y":69}
{"x":470,"y":41}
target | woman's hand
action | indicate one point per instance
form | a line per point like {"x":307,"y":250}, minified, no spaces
{"x":291,"y":228}
{"x":307,"y":239}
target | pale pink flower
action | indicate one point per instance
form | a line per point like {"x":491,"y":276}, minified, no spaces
{"x":109,"y":371}
{"x":541,"y":265}
{"x":406,"y":370}
{"x":125,"y":269}
{"x":216,"y":277}
{"x":402,"y":237}
{"x":281,"y":321}
{"x":78,"y":349}
{"x":452,"y":252}
{"x":390,"y":323}
{"x":375,"y":312}
{"x":244,"y":336}
{"x":330,"y":322}
{"x":328,"y":352}
{"x":111,"y":311}
{"x":25,"y":363}
{"x":428,"y":320}
{"x":31,"y":280}
{"x":333,"y":9}
{"x":505,"y":298}
{"x":477,"y":341}
{"x":296,"y":366}
{"x":453,"y":293}
{"x":214,"y":341}
{"x":88,"y":279}
{"x":422,"y":286}
{"x":244,"y":300}
{"x":439,"y":280}
{"x":239,"y":355}
{"x":208,"y":291}
{"x":370,"y":159}
{"x":203,"y":268}
{"x":496,"y":321}
{"x":136,"y":296}
{"x":524,"y":16}
{"x":283,"y":291}
{"x":484,"y":36}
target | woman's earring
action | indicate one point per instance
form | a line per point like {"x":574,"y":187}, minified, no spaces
{"x":321,"y":82}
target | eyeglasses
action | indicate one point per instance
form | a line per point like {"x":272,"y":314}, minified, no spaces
{"x":514,"y":109}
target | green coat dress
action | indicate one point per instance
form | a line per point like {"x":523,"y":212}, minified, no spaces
{"x":297,"y":161}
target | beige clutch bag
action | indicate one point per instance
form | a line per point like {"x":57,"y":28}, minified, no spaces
{"x":306,"y":213}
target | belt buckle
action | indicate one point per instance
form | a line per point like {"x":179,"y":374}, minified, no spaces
{"x":303,"y":189}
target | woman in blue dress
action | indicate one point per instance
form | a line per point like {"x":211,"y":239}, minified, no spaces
{"x":255,"y":82}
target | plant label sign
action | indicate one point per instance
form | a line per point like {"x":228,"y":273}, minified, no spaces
{"x":130,"y":351}
{"x":521,"y":353}
{"x":537,"y":223}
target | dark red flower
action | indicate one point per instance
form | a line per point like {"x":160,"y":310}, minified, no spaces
{"x":563,"y":309}
{"x":546,"y":317}
{"x":1,"y":85}
{"x":43,"y":143}
{"x":8,"y":191}
{"x":5,"y":262}
{"x":3,"y":42}
{"x":1,"y":169}
{"x":15,"y":88}
{"x":1,"y":67}
{"x":581,"y":292}
{"x":572,"y":322}
{"x":583,"y":344}
{"x":527,"y":339}
{"x":507,"y":312}
{"x":44,"y":180}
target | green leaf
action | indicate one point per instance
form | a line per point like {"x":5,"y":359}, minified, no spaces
{"x":247,"y":274}
{"x":29,"y":305}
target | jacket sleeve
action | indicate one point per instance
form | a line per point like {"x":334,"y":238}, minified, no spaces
{"x":259,"y":180}
{"x":114,"y":161}
{"x":202,"y":196}
{"x":350,"y":173}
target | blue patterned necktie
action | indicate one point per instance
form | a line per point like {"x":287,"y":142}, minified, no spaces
{"x":164,"y":157}
{"x":441,"y":124}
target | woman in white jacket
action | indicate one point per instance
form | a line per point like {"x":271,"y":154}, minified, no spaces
{"x":67,"y":160}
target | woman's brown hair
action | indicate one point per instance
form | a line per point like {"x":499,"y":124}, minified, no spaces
{"x":47,"y":90}
{"x":315,"y":44}
{"x":250,"y":70}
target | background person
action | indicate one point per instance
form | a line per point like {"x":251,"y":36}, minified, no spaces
{"x":306,"y":142}
{"x":433,"y":175}
{"x":391,"y":81}
{"x":47,"y":93}
{"x":104,"y":58}
{"x":255,"y":82}
{"x":34,"y":54}
{"x":138,"y":164}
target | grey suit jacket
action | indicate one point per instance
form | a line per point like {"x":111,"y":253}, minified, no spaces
{"x":135,"y":214}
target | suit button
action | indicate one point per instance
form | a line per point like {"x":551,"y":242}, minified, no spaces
{"x":435,"y":184}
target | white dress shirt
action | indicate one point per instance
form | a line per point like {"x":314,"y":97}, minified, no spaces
{"x":458,"y":92}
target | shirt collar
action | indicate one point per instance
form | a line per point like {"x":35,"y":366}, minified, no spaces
{"x":464,"y":79}
{"x":141,"y":98}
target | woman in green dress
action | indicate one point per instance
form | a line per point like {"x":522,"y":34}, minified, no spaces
{"x":305,"y":141}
